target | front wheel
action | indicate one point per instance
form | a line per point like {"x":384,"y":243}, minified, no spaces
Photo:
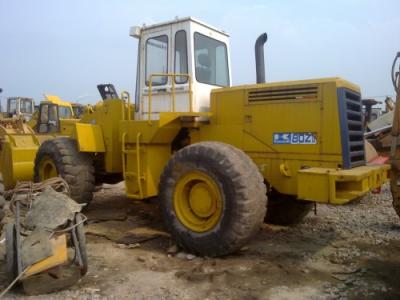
{"x":212,"y":197}
{"x":61,"y":157}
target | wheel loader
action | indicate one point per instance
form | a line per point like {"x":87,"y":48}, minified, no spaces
{"x":211,"y":152}
{"x":65,"y":116}
{"x":20,"y":139}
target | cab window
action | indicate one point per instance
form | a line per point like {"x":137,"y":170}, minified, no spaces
{"x":211,"y":60}
{"x":181,"y":58}
{"x":26,"y":106}
{"x":157,"y":59}
{"x":12,"y":106}
{"x":44,"y":114}
{"x":64,"y":112}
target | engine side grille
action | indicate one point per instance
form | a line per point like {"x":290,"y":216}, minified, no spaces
{"x":283,"y":94}
{"x":352,"y":129}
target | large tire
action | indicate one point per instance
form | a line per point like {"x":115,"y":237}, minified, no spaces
{"x":286,"y":209}
{"x":60,"y":157}
{"x":212,"y":197}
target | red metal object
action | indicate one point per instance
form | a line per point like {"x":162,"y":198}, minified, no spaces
{"x":379,"y":160}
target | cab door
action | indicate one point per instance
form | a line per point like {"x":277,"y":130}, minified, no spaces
{"x":155,"y":58}
{"x":181,"y":56}
{"x":48,"y":120}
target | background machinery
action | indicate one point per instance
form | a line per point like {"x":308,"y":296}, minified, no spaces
{"x":211,"y":152}
{"x":53,"y":115}
{"x":20,"y":139}
{"x":19,"y":106}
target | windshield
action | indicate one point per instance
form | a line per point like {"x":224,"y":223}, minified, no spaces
{"x":64,"y":112}
{"x":26,"y":106}
{"x":211,"y":60}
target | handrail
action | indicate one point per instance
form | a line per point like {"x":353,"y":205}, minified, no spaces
{"x":139,"y":179}
{"x":124,"y":134}
{"x":173,"y":75}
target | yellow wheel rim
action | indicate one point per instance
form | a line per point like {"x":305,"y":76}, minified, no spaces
{"x":197,"y":201}
{"x":47,"y":169}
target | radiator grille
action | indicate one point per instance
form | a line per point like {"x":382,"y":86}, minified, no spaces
{"x":295,"y":93}
{"x":352,"y":128}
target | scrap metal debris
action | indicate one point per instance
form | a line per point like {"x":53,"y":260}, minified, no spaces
{"x":50,"y":210}
{"x":45,"y":242}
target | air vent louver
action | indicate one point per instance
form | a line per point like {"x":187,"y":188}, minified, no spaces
{"x":352,"y":128}
{"x":283,"y":94}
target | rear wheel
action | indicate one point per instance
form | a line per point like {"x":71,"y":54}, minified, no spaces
{"x":61,"y":157}
{"x":212,"y":198}
{"x":285,"y":209}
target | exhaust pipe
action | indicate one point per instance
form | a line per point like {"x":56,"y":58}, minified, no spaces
{"x":259,"y":51}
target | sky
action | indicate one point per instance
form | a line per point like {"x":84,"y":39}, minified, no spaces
{"x":67,"y":47}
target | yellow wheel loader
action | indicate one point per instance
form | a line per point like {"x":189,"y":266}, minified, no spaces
{"x":211,"y":152}
{"x":20,"y":139}
{"x":65,"y":116}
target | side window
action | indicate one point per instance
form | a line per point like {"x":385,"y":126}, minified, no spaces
{"x":211,"y":60}
{"x":26,"y":106}
{"x":181,"y":58}
{"x":65,"y":112}
{"x":12,"y":106}
{"x":157,"y":59}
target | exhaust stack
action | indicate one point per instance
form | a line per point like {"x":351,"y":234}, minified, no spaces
{"x":259,"y":53}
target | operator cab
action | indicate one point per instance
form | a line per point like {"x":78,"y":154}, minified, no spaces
{"x":18,"y":106}
{"x":169,"y":51}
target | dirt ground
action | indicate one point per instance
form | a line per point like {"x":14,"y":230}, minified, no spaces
{"x":347,"y":252}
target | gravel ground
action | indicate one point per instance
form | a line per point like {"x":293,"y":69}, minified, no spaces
{"x":344,"y":252}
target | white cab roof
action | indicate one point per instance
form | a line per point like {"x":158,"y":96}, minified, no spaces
{"x":180,"y":20}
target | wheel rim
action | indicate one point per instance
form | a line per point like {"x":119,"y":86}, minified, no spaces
{"x":198,"y":201}
{"x":47,"y":169}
